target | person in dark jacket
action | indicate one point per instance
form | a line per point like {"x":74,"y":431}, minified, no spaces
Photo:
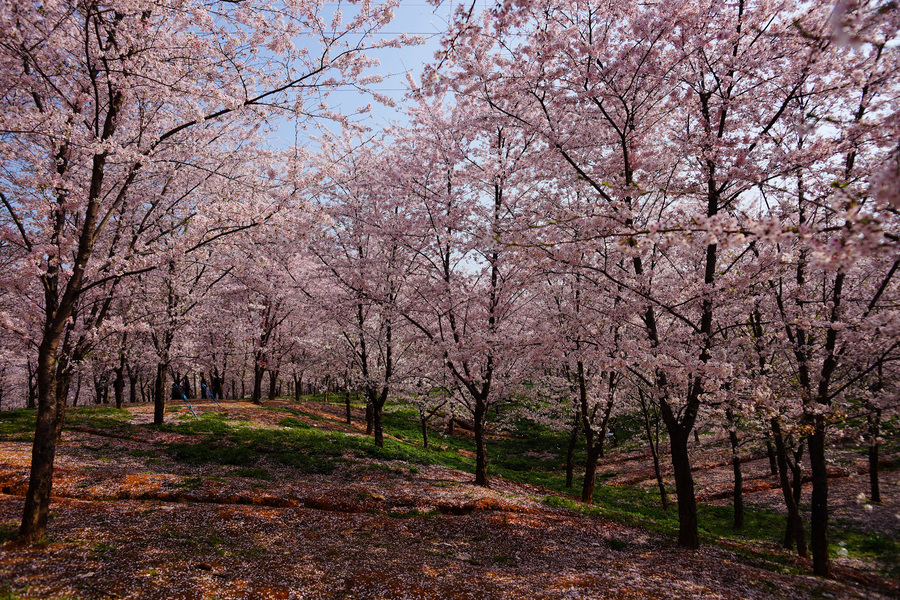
{"x":177,"y":393}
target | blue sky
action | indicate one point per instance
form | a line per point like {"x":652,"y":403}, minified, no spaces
{"x":413,"y":17}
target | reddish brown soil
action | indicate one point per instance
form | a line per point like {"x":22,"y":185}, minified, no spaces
{"x":125,"y":526}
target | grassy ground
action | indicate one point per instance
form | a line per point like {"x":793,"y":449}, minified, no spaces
{"x":305,"y":440}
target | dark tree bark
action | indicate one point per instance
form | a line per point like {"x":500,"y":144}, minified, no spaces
{"x":119,"y":384}
{"x":377,"y":400}
{"x":424,"y":422}
{"x":481,"y":459}
{"x":259,"y":370}
{"x":770,"y":451}
{"x":32,"y":386}
{"x":273,"y":383}
{"x":77,"y":391}
{"x":688,"y":534}
{"x":736,"y":467}
{"x":159,"y":393}
{"x":593,"y":439}
{"x":794,"y":531}
{"x":874,"y":422}
{"x":347,"y":405}
{"x":819,"y":499}
{"x":590,"y":471}
{"x":570,"y":453}
{"x":132,"y":387}
{"x":653,"y":440}
{"x":43,"y":453}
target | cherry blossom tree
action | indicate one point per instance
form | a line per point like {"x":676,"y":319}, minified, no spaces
{"x":464,"y":180}
{"x":675,"y":118}
{"x":96,"y":95}
{"x":363,"y":254}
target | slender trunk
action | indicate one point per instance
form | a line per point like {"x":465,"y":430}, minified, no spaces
{"x":480,"y":414}
{"x":159,"y":393}
{"x":796,"y":467}
{"x":424,"y":420}
{"x":132,"y":390}
{"x":378,"y":413}
{"x":63,"y":381}
{"x":273,"y":384}
{"x":570,"y":454}
{"x":378,"y":426}
{"x":32,"y":387}
{"x":590,"y":471}
{"x":43,"y":453}
{"x":654,"y":451}
{"x":593,"y":441}
{"x":119,"y":387}
{"x":258,"y":372}
{"x":819,"y":500}
{"x":370,"y":417}
{"x":736,"y":467}
{"x":770,"y":451}
{"x":688,"y":534}
{"x":794,"y":531}
{"x":347,"y":404}
{"x":738,"y":482}
{"x":119,"y":384}
{"x":874,"y":432}
{"x":77,"y":391}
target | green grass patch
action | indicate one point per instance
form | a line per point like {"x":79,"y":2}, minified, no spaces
{"x":8,"y":531}
{"x":143,"y":453}
{"x":101,"y":417}
{"x":294,"y":423}
{"x":251,"y":473}
{"x":18,"y":422}
{"x":207,"y":423}
{"x":883,"y":550}
{"x":189,"y":483}
{"x":205,"y":452}
{"x":103,"y":550}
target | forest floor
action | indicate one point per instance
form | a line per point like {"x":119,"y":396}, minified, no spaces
{"x":285,"y":500}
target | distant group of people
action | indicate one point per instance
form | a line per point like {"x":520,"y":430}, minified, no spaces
{"x":182,"y":390}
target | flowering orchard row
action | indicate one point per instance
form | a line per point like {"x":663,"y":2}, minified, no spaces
{"x":688,"y":209}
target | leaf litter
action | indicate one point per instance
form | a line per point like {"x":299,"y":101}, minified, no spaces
{"x":128,"y":521}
